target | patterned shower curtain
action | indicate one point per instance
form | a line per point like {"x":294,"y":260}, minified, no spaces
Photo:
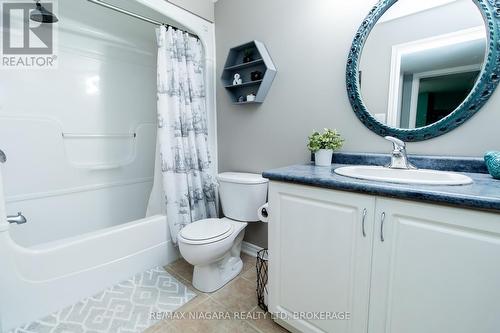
{"x":188,"y":187}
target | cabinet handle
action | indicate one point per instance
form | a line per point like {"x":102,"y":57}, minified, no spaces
{"x":363,"y":222}
{"x":382,"y":220}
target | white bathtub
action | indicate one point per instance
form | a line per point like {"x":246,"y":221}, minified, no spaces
{"x":39,"y":280}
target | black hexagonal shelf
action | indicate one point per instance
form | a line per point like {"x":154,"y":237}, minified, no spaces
{"x":246,"y":59}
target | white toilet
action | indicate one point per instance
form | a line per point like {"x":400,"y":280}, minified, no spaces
{"x":213,"y":246}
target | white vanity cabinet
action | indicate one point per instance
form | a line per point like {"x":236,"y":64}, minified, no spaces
{"x":416,"y":267}
{"x":437,"y":270}
{"x":319,"y":259}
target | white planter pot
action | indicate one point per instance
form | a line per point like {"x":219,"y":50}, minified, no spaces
{"x":323,"y":157}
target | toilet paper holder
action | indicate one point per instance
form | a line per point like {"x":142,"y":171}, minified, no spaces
{"x":263,"y":213}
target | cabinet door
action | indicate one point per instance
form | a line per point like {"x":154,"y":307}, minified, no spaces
{"x":437,"y":270}
{"x":319,"y":258}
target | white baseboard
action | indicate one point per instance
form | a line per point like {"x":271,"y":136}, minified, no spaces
{"x":250,"y":249}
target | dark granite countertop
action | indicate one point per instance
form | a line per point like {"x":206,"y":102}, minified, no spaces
{"x":484,"y":193}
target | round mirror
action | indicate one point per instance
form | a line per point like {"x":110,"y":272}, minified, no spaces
{"x":419,"y":68}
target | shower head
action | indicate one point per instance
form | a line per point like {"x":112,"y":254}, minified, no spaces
{"x":40,"y":14}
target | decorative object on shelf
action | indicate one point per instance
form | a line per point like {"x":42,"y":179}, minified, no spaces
{"x":256,"y":75}
{"x":492,"y":159}
{"x":323,"y":145}
{"x":237,"y":79}
{"x":251,"y":97}
{"x":261,"y":65}
{"x":241,"y":99}
{"x":247,"y":55}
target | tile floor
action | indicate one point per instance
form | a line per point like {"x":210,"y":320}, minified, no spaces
{"x":237,"y":296}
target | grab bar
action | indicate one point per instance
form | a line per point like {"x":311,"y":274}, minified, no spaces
{"x":96,"y":136}
{"x":106,"y":166}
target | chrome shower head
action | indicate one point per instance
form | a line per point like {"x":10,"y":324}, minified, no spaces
{"x":40,"y":14}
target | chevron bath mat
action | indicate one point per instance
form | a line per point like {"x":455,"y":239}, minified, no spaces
{"x":124,"y":308}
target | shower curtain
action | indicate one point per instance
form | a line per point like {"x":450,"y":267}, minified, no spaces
{"x":189,"y":190}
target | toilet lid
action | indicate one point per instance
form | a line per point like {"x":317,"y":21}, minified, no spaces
{"x":206,"y":230}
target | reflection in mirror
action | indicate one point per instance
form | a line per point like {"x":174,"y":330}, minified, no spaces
{"x":421,"y":61}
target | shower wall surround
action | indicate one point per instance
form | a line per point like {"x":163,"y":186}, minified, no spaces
{"x":202,"y":8}
{"x":309,"y":92}
{"x":105,"y":84}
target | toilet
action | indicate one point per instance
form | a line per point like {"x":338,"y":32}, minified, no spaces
{"x":213,"y":246}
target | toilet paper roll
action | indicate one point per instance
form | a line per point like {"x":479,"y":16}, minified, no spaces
{"x":263,"y":213}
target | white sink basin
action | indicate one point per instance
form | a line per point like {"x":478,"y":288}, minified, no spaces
{"x":419,"y":176}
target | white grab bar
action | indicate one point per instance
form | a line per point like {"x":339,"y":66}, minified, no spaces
{"x":97,"y":136}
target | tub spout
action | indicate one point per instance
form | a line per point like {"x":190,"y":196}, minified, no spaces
{"x":18,"y":219}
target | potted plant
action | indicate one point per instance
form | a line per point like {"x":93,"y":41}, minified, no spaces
{"x":247,"y":55}
{"x":323,"y":145}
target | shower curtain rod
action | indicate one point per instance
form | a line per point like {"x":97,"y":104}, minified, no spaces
{"x":137,"y":16}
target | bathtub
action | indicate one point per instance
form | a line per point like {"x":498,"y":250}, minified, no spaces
{"x":42,"y":279}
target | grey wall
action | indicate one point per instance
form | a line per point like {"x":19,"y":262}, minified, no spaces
{"x":309,"y":43}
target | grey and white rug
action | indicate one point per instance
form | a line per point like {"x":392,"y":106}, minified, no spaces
{"x":124,"y":308}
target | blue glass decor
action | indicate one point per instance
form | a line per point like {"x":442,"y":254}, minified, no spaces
{"x":492,"y":159}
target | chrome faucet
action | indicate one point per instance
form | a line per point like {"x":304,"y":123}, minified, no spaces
{"x":17,"y":219}
{"x":399,"y":158}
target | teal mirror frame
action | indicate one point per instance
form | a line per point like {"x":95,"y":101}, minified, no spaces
{"x":481,"y":92}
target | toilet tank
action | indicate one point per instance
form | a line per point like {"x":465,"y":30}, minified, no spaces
{"x":241,"y":195}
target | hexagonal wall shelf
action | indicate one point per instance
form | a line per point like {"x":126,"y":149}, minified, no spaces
{"x":244,"y":60}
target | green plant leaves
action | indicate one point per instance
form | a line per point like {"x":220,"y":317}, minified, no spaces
{"x":329,"y":139}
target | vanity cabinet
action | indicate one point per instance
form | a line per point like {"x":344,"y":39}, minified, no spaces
{"x":437,"y":270}
{"x":394,"y":265}
{"x":319,"y":259}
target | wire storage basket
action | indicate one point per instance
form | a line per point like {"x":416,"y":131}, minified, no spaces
{"x":262,"y":269}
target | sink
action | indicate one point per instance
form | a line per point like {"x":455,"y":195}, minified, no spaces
{"x":403,"y":176}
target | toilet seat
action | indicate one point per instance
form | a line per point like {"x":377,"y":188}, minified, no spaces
{"x":206,"y":231}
